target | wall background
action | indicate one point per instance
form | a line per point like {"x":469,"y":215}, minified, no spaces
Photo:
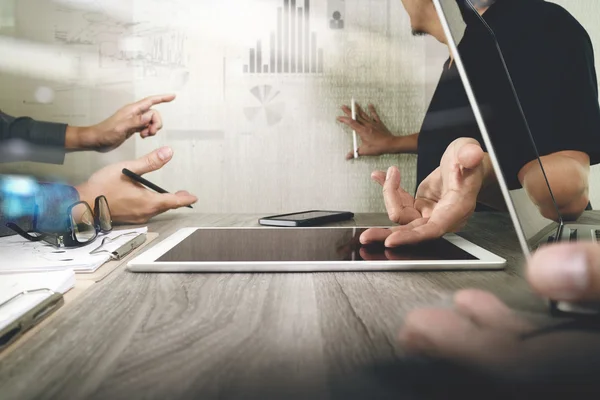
{"x":237,"y":146}
{"x":197,"y":49}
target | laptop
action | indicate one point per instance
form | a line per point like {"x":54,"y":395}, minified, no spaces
{"x":532,"y":229}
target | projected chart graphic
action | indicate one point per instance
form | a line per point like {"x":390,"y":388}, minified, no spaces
{"x":292,"y":48}
{"x":266,"y":106}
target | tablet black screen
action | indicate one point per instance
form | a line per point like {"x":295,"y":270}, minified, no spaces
{"x":300,"y":245}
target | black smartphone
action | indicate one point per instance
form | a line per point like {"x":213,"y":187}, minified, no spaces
{"x":307,"y":218}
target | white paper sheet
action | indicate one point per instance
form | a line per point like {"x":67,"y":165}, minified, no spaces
{"x":17,"y":255}
{"x":13,"y":284}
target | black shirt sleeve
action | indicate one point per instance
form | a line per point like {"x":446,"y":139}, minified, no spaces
{"x":25,"y":139}
{"x":577,"y":107}
{"x":554,"y":75}
{"x":550,"y":61}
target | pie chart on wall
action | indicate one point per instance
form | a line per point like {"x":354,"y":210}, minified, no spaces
{"x":265,"y":107}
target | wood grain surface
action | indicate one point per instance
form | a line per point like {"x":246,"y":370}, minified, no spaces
{"x":179,"y":336}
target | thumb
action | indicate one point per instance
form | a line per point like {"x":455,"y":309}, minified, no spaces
{"x":566,"y":272}
{"x":470,"y":156}
{"x":393,"y":178}
{"x":172,"y":201}
{"x":152,"y":161}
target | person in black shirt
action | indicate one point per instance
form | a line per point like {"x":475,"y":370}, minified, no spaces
{"x":551,"y":61}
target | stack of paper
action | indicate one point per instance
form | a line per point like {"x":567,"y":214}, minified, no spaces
{"x":17,"y":284}
{"x":20,"y":255}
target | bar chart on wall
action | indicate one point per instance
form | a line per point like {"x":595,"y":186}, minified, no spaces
{"x":292,"y":47}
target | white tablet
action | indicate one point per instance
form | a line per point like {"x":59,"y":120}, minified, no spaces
{"x":304,"y":250}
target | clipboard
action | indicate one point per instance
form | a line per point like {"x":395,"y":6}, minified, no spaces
{"x":34,"y":316}
{"x":82,"y":283}
{"x":68,"y":301}
{"x":125,"y":253}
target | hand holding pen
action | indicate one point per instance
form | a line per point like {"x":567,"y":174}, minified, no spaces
{"x":130,"y":201}
{"x":375,"y":138}
{"x":135,"y":177}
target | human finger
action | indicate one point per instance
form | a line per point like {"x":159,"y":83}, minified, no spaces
{"x":144,"y":122}
{"x":374,"y":114}
{"x":355,"y":125}
{"x":486,"y":310}
{"x":156,"y":123}
{"x":361,"y":114}
{"x":566,"y":272}
{"x":438,"y":333}
{"x":446,"y":334}
{"x":379,"y":177}
{"x":366,"y":255}
{"x":470,"y":155}
{"x":421,"y":233}
{"x":151,"y":161}
{"x":398,"y":203}
{"x":145,"y":104}
{"x":374,"y":235}
{"x":346,"y":110}
{"x":172,"y":201}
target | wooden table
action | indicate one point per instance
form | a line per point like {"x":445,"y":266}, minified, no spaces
{"x":179,"y":336}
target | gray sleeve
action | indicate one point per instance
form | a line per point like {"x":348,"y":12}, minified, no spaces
{"x":25,"y":139}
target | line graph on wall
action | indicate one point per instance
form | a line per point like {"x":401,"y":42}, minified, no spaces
{"x":157,"y":47}
{"x":126,"y":47}
{"x":88,"y":28}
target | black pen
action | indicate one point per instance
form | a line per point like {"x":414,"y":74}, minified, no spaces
{"x":145,"y":182}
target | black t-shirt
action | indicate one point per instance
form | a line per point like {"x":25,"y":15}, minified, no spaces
{"x":551,"y":62}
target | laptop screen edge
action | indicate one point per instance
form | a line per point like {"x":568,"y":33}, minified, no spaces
{"x":482,"y":127}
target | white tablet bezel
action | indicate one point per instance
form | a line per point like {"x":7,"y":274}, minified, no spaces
{"x":146,"y":262}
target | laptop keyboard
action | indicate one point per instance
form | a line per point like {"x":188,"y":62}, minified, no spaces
{"x":572,"y":235}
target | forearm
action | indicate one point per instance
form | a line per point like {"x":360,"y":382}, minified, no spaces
{"x":404,"y":144}
{"x":77,"y":138}
{"x":568,"y":177}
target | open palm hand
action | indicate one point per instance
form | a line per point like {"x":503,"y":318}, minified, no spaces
{"x":444,"y":201}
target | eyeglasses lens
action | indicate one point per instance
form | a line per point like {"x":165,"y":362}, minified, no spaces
{"x":83,"y":223}
{"x":104,"y":215}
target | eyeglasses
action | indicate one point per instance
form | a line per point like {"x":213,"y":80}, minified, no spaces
{"x":84,"y":225}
